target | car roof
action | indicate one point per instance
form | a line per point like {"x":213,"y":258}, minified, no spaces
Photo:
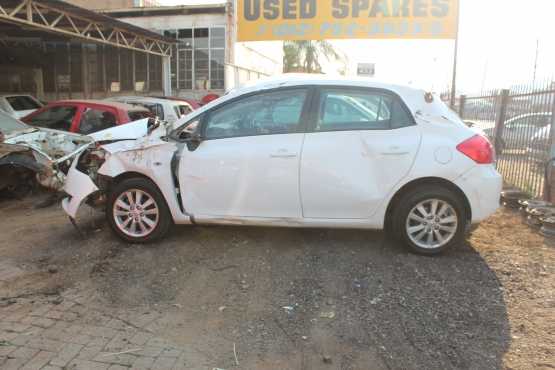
{"x":144,"y":99}
{"x":13,"y":95}
{"x":105,"y":103}
{"x":413,"y":97}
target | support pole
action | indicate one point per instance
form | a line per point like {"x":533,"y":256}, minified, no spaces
{"x":454,"y":80}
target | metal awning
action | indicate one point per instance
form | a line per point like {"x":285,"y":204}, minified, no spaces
{"x":64,"y":19}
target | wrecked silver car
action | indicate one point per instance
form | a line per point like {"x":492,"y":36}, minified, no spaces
{"x":29,"y":153}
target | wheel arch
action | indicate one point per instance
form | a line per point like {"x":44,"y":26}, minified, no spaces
{"x":426,"y":181}
{"x":133,"y":175}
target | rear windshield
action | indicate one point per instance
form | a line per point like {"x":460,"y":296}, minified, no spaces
{"x":139,"y":114}
{"x":19,"y":103}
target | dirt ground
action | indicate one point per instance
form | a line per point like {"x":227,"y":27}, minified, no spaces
{"x":301,"y":298}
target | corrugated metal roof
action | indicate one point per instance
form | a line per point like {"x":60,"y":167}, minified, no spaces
{"x":103,"y":18}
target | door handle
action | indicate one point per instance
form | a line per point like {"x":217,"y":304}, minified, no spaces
{"x":395,"y":150}
{"x":395,"y":153}
{"x":283,"y":155}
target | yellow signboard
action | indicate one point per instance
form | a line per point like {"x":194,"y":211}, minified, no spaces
{"x":260,"y":20}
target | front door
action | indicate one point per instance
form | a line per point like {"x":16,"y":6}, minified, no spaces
{"x":363,"y":143}
{"x":248,"y":162}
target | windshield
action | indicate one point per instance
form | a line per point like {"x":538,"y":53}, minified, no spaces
{"x":8,"y":124}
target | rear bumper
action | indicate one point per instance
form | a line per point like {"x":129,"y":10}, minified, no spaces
{"x":482,"y":186}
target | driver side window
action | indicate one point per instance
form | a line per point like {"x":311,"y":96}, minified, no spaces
{"x":270,"y":113}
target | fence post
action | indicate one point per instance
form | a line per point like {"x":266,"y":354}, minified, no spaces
{"x":500,"y":121}
{"x":462,"y":101}
{"x":548,"y":193}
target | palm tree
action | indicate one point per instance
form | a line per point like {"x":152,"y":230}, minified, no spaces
{"x":304,"y":56}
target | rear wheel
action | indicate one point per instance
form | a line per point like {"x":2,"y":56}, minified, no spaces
{"x":430,"y":220}
{"x":137,"y":211}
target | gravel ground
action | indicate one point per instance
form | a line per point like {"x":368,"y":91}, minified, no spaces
{"x":305,"y":299}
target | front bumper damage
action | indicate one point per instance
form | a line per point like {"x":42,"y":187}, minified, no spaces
{"x":79,"y":187}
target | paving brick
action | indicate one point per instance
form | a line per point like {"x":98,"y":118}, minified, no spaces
{"x":170,"y":352}
{"x":164,"y":363}
{"x":117,"y":324}
{"x":99,"y":331}
{"x":150,"y":351}
{"x":159,"y":342}
{"x":22,"y":339}
{"x":69,"y":316}
{"x":40,"y":311}
{"x":38,"y":361}
{"x":25,"y":353}
{"x":141,"y":338}
{"x":67,"y":354}
{"x":8,"y":336}
{"x":6,"y":350}
{"x":82,"y":339}
{"x":125,"y":359}
{"x":118,"y":367}
{"x":13,"y":363}
{"x":143,"y":363}
{"x":89,"y":352}
{"x":46,"y":344}
{"x":54,"y":314}
{"x":43,"y":322}
{"x":120,"y":342}
{"x":86,"y":365}
{"x":13,"y":326}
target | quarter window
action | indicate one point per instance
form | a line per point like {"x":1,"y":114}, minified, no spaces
{"x":263,"y":114}
{"x":356,"y":110}
{"x":93,"y":120}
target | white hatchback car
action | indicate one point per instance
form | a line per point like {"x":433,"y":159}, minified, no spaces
{"x":164,"y":109}
{"x":18,"y":106}
{"x":300,"y":152}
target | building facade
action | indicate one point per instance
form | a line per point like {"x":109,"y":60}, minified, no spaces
{"x":206,"y":58}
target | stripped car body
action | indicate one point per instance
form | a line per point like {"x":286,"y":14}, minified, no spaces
{"x":44,"y":154}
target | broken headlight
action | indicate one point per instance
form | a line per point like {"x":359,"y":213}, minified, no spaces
{"x":91,"y":160}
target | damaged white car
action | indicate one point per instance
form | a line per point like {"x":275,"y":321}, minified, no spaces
{"x":299,"y":152}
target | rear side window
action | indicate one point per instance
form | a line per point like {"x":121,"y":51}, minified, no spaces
{"x":93,"y":120}
{"x":58,"y":117}
{"x":19,"y":103}
{"x":184,"y":110}
{"x":344,"y":109}
{"x":139,"y":114}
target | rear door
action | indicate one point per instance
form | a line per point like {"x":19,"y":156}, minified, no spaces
{"x":362,"y":144}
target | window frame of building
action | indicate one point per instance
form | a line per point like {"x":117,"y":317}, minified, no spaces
{"x":182,"y":49}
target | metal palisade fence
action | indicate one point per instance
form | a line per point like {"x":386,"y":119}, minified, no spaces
{"x":519,"y":123}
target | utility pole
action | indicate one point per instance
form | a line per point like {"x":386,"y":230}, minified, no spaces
{"x":536,"y":61}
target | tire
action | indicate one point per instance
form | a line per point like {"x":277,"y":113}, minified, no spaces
{"x":447,"y":226}
{"x":149,"y":221}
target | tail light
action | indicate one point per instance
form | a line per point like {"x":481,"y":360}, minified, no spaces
{"x":478,"y":148}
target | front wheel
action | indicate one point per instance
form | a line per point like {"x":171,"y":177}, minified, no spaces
{"x":430,"y":220}
{"x":137,"y":211}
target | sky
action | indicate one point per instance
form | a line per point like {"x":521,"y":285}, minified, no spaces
{"x":497,"y":48}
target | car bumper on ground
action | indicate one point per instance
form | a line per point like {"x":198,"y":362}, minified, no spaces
{"x":482,"y":186}
{"x":78,"y":186}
